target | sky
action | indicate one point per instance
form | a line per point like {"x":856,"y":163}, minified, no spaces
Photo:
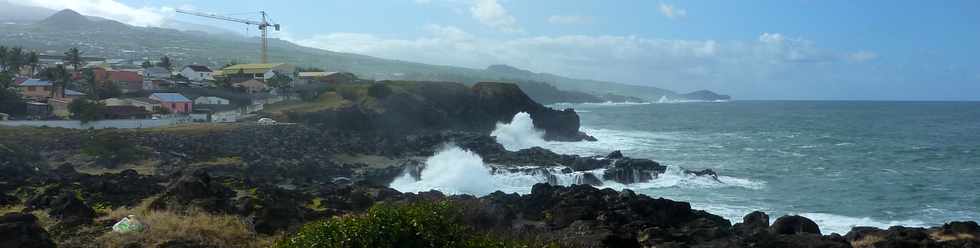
{"x":765,"y":49}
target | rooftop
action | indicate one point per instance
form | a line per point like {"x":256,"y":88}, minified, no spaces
{"x":199,"y":68}
{"x":170,"y":97}
{"x":36,"y":82}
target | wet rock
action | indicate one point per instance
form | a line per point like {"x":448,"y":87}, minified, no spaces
{"x":753,"y":223}
{"x":795,"y":224}
{"x":615,"y":155}
{"x":589,"y":179}
{"x":23,"y":231}
{"x":587,"y":164}
{"x":71,"y":210}
{"x":195,"y":190}
{"x":629,"y":171}
{"x":703,"y":173}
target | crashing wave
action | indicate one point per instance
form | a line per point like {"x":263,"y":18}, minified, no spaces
{"x":519,"y":133}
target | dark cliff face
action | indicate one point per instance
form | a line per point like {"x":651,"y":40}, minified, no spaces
{"x":412,"y":107}
{"x":705,"y":95}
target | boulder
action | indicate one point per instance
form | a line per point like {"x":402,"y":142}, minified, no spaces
{"x":703,"y":173}
{"x":589,"y":179}
{"x":615,"y":155}
{"x":629,"y":171}
{"x":23,"y":231}
{"x":753,"y":223}
{"x":795,"y":224}
{"x":195,"y":190}
{"x":71,"y":210}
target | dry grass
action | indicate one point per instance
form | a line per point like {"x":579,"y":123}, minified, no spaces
{"x":195,"y":128}
{"x":326,"y":101}
{"x":942,"y":237}
{"x":11,"y":209}
{"x":867,"y":242}
{"x":221,"y":161}
{"x":197,"y":226}
{"x":143,"y":167}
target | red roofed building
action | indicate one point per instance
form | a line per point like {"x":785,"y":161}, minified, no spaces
{"x":127,"y":81}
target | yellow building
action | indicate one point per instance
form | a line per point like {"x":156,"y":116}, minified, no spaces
{"x":258,"y":71}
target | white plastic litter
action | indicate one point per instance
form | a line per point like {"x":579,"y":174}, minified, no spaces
{"x":127,"y":225}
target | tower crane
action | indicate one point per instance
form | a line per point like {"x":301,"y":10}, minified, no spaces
{"x":263,"y":25}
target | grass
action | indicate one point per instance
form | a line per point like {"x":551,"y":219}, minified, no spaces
{"x":867,"y":242}
{"x":221,"y":161}
{"x":194,"y":128}
{"x":326,"y":101}
{"x":195,"y":226}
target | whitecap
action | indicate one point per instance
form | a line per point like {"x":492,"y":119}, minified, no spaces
{"x":519,"y":134}
{"x":831,"y":223}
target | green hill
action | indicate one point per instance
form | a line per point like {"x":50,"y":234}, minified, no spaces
{"x":110,"y":39}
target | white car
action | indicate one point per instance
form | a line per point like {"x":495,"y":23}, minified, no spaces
{"x":267,"y":121}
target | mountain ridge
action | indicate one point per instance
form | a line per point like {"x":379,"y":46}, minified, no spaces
{"x":139,"y":43}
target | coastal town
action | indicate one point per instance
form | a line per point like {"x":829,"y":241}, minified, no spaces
{"x":49,"y":89}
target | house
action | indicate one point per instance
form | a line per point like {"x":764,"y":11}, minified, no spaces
{"x":211,"y":100}
{"x":174,"y":102}
{"x":37,"y":110}
{"x":127,"y":81}
{"x":157,"y":84}
{"x":36,"y":88}
{"x":258,"y":71}
{"x":156,"y":72}
{"x":145,"y":103}
{"x":197,"y":73}
{"x":217,"y":113}
{"x":252,"y":86}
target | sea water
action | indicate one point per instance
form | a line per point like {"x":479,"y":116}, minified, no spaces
{"x":842,"y":164}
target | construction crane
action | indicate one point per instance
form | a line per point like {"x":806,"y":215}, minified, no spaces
{"x":264,"y":26}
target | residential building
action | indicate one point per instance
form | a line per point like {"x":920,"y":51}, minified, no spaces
{"x":258,"y":71}
{"x":37,"y":110}
{"x":197,"y":73}
{"x":157,"y":84}
{"x":217,"y":113}
{"x":174,"y":102}
{"x":211,"y":100}
{"x":252,"y":86}
{"x":36,"y":89}
{"x":145,"y":103}
{"x":127,"y":81}
{"x":156,"y":72}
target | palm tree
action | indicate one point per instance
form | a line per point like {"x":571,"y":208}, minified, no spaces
{"x":3,"y":58}
{"x":73,"y":57}
{"x":59,"y":78}
{"x":166,"y":63}
{"x":15,"y":59}
{"x":93,"y":86}
{"x":33,"y":60}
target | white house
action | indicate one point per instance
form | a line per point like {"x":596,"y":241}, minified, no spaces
{"x":197,"y":73}
{"x":211,"y":100}
{"x":156,"y":72}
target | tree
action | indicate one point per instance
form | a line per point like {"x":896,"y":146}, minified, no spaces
{"x":33,"y":60}
{"x":15,"y":59}
{"x":3,"y":58}
{"x":10,"y":100}
{"x":309,"y":69}
{"x":73,"y":57}
{"x":87,"y":110}
{"x":146,"y":64}
{"x":278,"y":81}
{"x":59,"y":77}
{"x":93,"y":87}
{"x":165,"y":62}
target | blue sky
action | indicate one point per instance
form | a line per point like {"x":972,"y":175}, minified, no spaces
{"x":780,"y":49}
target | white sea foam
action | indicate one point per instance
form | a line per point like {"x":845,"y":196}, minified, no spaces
{"x":831,"y":223}
{"x":519,"y":133}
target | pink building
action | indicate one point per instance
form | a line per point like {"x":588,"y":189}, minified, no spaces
{"x":174,"y":102}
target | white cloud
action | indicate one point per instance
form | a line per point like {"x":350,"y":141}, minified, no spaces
{"x":862,"y":56}
{"x":492,"y":14}
{"x":569,"y":20}
{"x":672,"y":12}
{"x":109,"y":9}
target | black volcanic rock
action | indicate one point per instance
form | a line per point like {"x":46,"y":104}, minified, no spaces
{"x":704,"y":95}
{"x":23,"y":231}
{"x":629,"y":170}
{"x":794,"y":224}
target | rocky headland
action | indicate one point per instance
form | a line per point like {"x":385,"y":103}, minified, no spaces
{"x":66,"y":188}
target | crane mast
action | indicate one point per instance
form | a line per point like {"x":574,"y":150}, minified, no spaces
{"x":263,"y":25}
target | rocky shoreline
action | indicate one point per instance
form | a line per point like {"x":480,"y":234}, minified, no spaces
{"x":285,"y":176}
{"x":66,"y":188}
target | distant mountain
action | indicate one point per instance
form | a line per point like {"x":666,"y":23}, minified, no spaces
{"x":704,"y":95}
{"x":11,"y":12}
{"x":116,"y":40}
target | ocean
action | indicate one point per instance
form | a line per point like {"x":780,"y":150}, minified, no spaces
{"x":842,"y":164}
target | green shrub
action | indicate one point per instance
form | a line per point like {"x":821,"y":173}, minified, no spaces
{"x":379,"y":91}
{"x":385,"y":225}
{"x":111,"y":149}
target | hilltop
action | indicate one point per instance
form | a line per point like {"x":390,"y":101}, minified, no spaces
{"x":67,"y":29}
